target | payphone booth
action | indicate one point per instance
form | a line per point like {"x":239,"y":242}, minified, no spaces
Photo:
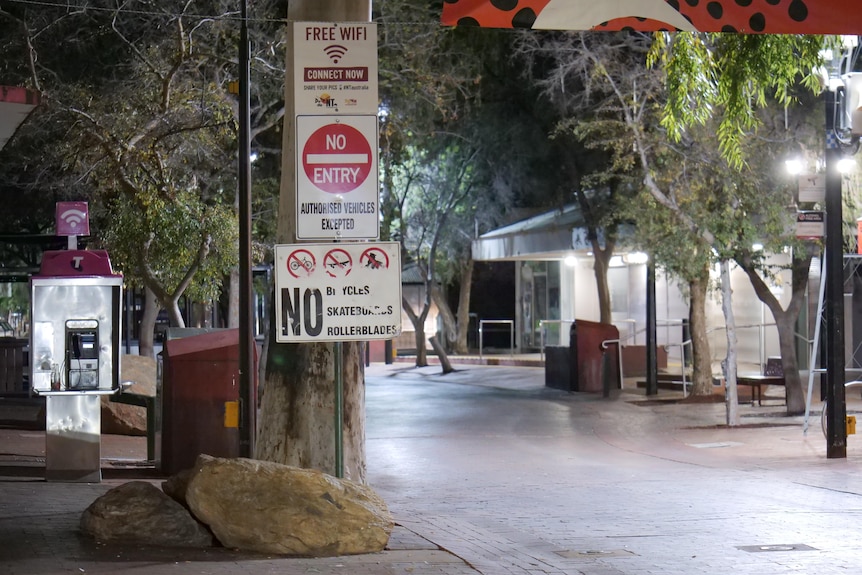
{"x":74,"y":356}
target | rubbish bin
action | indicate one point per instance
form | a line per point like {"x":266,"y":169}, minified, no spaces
{"x":199,"y":393}
{"x":579,"y":367}
{"x":588,"y":337}
{"x":559,"y":371}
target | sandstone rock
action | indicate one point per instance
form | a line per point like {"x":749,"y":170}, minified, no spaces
{"x":176,"y":485}
{"x":124,"y":419}
{"x":138,"y":512}
{"x":271,"y":508}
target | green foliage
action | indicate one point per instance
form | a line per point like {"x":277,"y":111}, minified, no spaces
{"x":137,"y":119}
{"x":16,"y":301}
{"x":679,"y":112}
{"x":457,"y":135}
{"x":166,"y":237}
{"x":732,"y":76}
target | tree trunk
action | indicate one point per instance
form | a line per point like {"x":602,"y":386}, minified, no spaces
{"x":201,"y":315}
{"x":461,"y":345}
{"x":421,"y":352}
{"x":418,"y":322}
{"x":601,"y":259}
{"x":701,"y":355}
{"x":441,"y":355}
{"x":794,"y":394}
{"x":297,"y":415}
{"x":174,"y":313}
{"x":785,"y":321}
{"x":233,"y":300}
{"x":450,"y":329}
{"x":148,"y":324}
{"x":731,"y":395}
{"x":297,"y":421}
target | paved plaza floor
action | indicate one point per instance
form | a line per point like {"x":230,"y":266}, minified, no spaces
{"x":487,"y":471}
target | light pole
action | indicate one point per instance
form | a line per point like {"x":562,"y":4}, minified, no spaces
{"x":842,"y":112}
{"x":836,"y":432}
{"x":247,"y":392}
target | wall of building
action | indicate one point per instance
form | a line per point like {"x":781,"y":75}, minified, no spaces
{"x":756,"y":333}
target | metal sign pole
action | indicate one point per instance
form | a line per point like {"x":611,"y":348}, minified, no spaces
{"x":339,"y":409}
{"x":836,"y":444}
{"x":247,"y":391}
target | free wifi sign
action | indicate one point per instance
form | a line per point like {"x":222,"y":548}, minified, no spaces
{"x":72,"y":219}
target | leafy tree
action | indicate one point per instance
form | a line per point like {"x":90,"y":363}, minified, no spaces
{"x":703,"y":184}
{"x":734,"y":74}
{"x":592,"y":144}
{"x":737,"y":75}
{"x":149,"y":129}
{"x":621,"y":57}
{"x":432,"y":188}
{"x":451,"y":94}
{"x":429,"y":79}
{"x":737,"y":212}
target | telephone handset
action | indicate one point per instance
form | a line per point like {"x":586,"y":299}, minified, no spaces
{"x":82,"y":354}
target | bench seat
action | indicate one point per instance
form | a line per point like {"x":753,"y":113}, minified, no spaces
{"x":756,"y":381}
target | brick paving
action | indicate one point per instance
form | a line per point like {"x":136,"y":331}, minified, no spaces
{"x":489,"y":472}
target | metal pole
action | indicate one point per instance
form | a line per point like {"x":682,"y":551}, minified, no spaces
{"x":247,"y":392}
{"x":836,"y":414}
{"x":339,"y":409}
{"x":129,"y":319}
{"x":684,"y":349}
{"x":651,"y":361}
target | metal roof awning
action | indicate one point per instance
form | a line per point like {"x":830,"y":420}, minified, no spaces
{"x":544,"y":236}
{"x":16,"y":103}
{"x":548,"y":236}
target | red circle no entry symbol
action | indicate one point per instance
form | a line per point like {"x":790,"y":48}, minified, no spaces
{"x":300,"y":263}
{"x":374,"y":258}
{"x":337,"y":158}
{"x":338,"y":263}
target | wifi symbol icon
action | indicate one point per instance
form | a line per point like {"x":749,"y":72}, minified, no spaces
{"x":73,"y":217}
{"x":335,"y":52}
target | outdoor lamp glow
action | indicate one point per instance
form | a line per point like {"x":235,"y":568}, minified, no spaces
{"x":794,"y":166}
{"x":637,"y":258}
{"x":846,"y":165}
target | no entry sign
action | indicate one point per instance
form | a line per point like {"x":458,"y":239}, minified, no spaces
{"x":337,"y":158}
{"x":336,"y":190}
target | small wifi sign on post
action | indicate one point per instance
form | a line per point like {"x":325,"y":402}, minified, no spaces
{"x":72,"y":219}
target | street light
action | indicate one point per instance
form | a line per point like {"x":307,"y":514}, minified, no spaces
{"x":795,"y":166}
{"x":842,"y":103}
{"x":846,"y":165}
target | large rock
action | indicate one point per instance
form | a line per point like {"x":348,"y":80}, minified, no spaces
{"x":124,"y":419}
{"x":176,"y":485}
{"x":272,"y":508}
{"x":138,"y":512}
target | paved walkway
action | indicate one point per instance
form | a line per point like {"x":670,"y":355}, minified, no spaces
{"x":487,"y":471}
